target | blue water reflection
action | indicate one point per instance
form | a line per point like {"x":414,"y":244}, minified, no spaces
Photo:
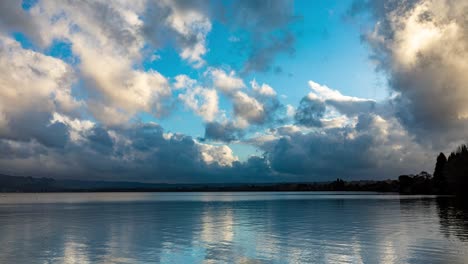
{"x":230,"y":228}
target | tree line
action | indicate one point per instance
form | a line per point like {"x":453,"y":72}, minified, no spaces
{"x":450,"y":176}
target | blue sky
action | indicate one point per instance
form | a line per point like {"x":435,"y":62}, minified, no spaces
{"x":235,"y":90}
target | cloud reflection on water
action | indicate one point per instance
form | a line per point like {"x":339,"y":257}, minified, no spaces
{"x":235,"y":230}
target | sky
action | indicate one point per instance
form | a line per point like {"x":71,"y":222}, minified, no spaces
{"x":230,"y":91}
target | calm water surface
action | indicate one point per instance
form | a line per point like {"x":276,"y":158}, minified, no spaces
{"x":231,"y":228}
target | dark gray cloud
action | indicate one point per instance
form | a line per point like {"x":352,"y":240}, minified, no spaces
{"x":352,"y":108}
{"x":36,"y":126}
{"x":310,"y":112}
{"x":225,"y":132}
{"x":14,"y":18}
{"x":374,"y":148}
{"x":141,"y":152}
{"x":100,"y":140}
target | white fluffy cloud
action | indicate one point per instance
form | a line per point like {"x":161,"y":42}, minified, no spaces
{"x":31,"y":82}
{"x":247,"y":109}
{"x":108,"y":39}
{"x":254,"y":106}
{"x":182,"y":81}
{"x":263,"y":90}
{"x":422,"y":46}
{"x":192,"y":27}
{"x":348,"y":105}
{"x":203,"y":101}
{"x":225,"y":82}
{"x":222,"y":155}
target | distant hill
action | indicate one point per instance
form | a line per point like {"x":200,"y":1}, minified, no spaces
{"x":30,"y":184}
{"x":26,"y":184}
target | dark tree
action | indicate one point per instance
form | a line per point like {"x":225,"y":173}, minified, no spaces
{"x":338,"y":185}
{"x":440,"y":180}
{"x":456,"y":171}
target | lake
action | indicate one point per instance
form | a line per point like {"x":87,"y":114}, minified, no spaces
{"x":231,"y":228}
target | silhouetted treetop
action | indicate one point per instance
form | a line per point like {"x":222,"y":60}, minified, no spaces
{"x":440,"y":181}
{"x":456,"y":171}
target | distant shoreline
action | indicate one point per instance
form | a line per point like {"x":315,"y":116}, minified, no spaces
{"x":16,"y":184}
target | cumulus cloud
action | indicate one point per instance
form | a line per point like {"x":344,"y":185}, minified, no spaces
{"x":223,"y":131}
{"x":348,"y":105}
{"x":247,"y":109}
{"x":138,"y":152}
{"x":188,"y":23}
{"x":262,"y":90}
{"x":222,"y":155}
{"x":372,"y":148}
{"x":310,"y":112}
{"x":182,"y":81}
{"x":225,"y":82}
{"x":82,"y":118}
{"x":14,"y":18}
{"x":46,"y":130}
{"x":422,"y":47}
{"x":32,"y":87}
{"x":327,"y":107}
{"x":107,"y":38}
{"x":257,"y":106}
{"x":203,"y":101}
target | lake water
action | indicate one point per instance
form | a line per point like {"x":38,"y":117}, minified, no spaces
{"x":231,"y":228}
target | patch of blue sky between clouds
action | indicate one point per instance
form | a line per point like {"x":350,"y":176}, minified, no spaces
{"x":28,"y":4}
{"x":329,"y":51}
{"x":62,"y":50}
{"x":25,"y":42}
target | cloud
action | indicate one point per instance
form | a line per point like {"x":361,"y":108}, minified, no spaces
{"x":188,"y":24}
{"x":140,"y":152}
{"x":14,"y":18}
{"x":373,"y":148}
{"x":225,"y":82}
{"x":267,"y":23}
{"x":290,"y":111}
{"x":310,"y":112}
{"x":203,"y":101}
{"x":46,"y":130}
{"x":326,"y":107}
{"x":256,"y":106}
{"x":247,"y":109}
{"x":108,"y":39}
{"x":261,"y":57}
{"x":347,"y":105}
{"x":32,"y":87}
{"x":226,"y":131}
{"x":222,"y":155}
{"x":77,"y":128}
{"x":262,"y":90}
{"x":182,"y":81}
{"x":422,"y":47}
{"x":83,"y":119}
